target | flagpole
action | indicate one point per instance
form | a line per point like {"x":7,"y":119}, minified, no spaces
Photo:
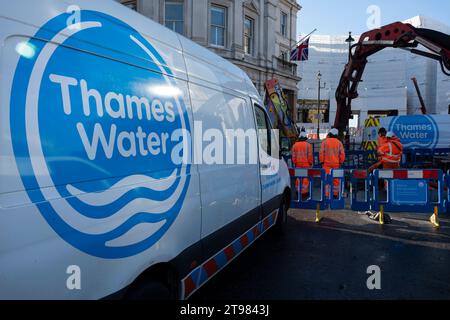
{"x":304,"y":38}
{"x":301,"y":40}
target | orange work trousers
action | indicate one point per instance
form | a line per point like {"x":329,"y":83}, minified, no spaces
{"x":336,"y":184}
{"x":305,"y":183}
{"x":390,"y":165}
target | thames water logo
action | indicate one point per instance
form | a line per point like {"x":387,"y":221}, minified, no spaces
{"x":416,"y":131}
{"x":98,"y":132}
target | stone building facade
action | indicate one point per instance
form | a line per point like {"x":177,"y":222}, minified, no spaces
{"x":255,"y":35}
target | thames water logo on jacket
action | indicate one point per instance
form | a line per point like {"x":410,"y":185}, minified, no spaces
{"x":95,"y":132}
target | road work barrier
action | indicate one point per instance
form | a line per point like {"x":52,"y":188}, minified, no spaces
{"x":335,"y":197}
{"x":316,"y":197}
{"x":418,"y":191}
{"x":322,"y":192}
{"x":412,"y":191}
{"x":360,"y":187}
{"x":447,"y":191}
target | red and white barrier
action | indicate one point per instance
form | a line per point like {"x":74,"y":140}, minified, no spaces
{"x":409,"y":174}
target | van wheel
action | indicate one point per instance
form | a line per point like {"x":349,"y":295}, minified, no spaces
{"x":149,"y":290}
{"x":280,"y":226}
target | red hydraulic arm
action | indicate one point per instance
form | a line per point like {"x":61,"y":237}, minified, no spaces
{"x":396,"y":35}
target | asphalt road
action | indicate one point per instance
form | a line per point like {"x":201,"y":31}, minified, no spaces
{"x":330,"y":261}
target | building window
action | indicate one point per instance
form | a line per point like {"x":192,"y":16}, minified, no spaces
{"x":218,"y":26}
{"x":132,"y":4}
{"x":248,"y":35}
{"x":174,"y":16}
{"x":284,"y":24}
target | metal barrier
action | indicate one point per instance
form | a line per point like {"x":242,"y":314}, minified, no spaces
{"x":357,"y":176}
{"x":421,"y":157}
{"x":336,"y":203}
{"x":359,"y":159}
{"x":298,"y":201}
{"x":409,"y":190}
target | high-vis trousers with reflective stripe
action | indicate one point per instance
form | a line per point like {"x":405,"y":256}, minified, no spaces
{"x":336,"y":184}
{"x":305,"y":183}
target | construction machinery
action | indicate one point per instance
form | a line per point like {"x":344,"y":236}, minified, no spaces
{"x":280,"y":114}
{"x":423,"y":107}
{"x":396,"y":35}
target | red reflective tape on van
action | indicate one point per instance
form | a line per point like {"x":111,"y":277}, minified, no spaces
{"x":211,"y":267}
{"x":266,"y":224}
{"x":244,"y":241}
{"x":314,"y":173}
{"x":360,"y":174}
{"x":256,"y":231}
{"x":189,"y":286}
{"x":431,"y":174}
{"x":400,"y":174}
{"x":229,"y":252}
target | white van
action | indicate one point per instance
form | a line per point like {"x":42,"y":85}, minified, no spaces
{"x":96,"y":102}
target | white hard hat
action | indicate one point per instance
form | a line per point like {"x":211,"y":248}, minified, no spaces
{"x":334,"y":132}
{"x":390,"y":134}
{"x":303,"y":135}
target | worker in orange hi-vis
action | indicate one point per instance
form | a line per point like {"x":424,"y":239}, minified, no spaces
{"x":390,"y":153}
{"x":302,"y":157}
{"x":382,"y":139}
{"x":332,"y":156}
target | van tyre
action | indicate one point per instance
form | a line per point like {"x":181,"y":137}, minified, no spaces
{"x":149,"y":290}
{"x":280,"y":226}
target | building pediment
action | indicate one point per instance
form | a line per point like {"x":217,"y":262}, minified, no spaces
{"x":253,"y":6}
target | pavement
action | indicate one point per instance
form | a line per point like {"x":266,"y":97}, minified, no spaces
{"x":329,"y":261}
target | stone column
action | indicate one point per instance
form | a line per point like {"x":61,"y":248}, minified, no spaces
{"x":200,"y":21}
{"x":150,"y":8}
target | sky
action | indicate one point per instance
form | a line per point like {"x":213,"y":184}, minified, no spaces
{"x":338,"y":17}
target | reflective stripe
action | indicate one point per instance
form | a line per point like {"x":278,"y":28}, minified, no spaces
{"x":199,"y":276}
{"x":390,"y":156}
{"x":390,"y":161}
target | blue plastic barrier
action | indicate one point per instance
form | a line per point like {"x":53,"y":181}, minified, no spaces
{"x":409,"y":190}
{"x":310,"y":203}
{"x":357,"y":176}
{"x":339,"y":202}
{"x":447,"y":192}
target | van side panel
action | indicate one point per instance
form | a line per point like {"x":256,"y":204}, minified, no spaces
{"x":98,"y":208}
{"x":229,"y":185}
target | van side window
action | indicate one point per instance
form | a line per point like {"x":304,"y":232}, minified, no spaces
{"x":263,"y":129}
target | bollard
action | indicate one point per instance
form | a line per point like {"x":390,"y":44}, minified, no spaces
{"x":318,"y":218}
{"x":435,"y":218}
{"x":382,"y":215}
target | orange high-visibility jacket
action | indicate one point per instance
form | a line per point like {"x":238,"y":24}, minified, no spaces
{"x":332,"y":153}
{"x":302,"y":155}
{"x":381,"y":141}
{"x":391,"y":152}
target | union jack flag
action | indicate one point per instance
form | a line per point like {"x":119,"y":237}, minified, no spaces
{"x":301,"y":53}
